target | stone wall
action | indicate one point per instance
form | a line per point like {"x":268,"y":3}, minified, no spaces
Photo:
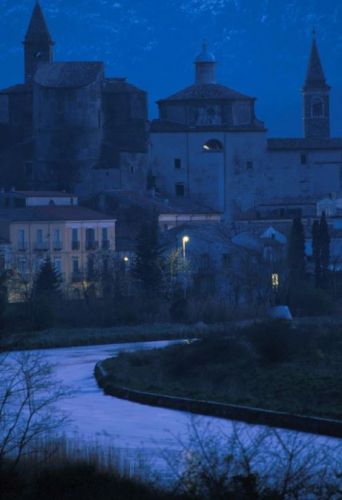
{"x":232,"y":412}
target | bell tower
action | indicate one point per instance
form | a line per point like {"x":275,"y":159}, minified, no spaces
{"x":316,"y":91}
{"x":38,"y":44}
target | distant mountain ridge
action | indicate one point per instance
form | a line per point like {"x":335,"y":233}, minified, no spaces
{"x":262,"y":45}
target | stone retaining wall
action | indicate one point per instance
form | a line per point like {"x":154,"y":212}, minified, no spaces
{"x":247,"y":414}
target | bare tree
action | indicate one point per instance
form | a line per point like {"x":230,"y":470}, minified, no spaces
{"x":252,"y":462}
{"x":28,"y":412}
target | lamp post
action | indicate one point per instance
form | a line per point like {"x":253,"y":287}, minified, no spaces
{"x":185,"y":240}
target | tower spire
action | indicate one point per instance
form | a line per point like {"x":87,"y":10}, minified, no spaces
{"x":37,"y":29}
{"x":38,"y":43}
{"x":316,"y":96}
{"x":315,"y":77}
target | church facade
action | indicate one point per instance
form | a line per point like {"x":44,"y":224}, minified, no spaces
{"x":209,"y":145}
{"x":68,"y":126}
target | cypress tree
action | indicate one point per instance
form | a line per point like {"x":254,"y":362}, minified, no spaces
{"x":147,"y":269}
{"x":316,"y":251}
{"x":321,"y":250}
{"x":296,"y":251}
{"x":324,"y":245}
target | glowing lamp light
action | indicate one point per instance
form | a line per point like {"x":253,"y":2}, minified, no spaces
{"x":126,"y":259}
{"x":185,"y":240}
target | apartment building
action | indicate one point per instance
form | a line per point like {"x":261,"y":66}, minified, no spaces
{"x":80,"y":242}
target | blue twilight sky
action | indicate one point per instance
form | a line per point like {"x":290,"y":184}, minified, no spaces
{"x":262,"y":46}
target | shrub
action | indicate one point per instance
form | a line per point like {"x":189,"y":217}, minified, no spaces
{"x":273,"y":341}
{"x":308,"y":301}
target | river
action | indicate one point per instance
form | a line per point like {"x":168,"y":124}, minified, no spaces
{"x":116,"y":423}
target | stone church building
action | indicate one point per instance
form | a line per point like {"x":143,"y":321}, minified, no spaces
{"x":68,"y":126}
{"x":209,"y":145}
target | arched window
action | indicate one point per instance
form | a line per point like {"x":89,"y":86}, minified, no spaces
{"x":317,"y":108}
{"x":213,"y":146}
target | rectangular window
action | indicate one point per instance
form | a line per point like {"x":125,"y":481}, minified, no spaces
{"x":275,"y":280}
{"x":249,"y":165}
{"x":90,"y":239}
{"x":105,"y":240}
{"x":57,"y":243}
{"x":38,"y":264}
{"x":39,"y":236}
{"x":21,"y":239}
{"x":180,"y":189}
{"x":178,"y":163}
{"x":303,"y":159}
{"x":58,"y":264}
{"x":22,"y":267}
{"x":75,"y":244}
{"x":90,"y":268}
{"x":57,"y":235}
{"x":226,"y":260}
{"x":75,"y":265}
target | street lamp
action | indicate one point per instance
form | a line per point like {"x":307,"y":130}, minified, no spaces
{"x":126,"y":259}
{"x":185,"y":240}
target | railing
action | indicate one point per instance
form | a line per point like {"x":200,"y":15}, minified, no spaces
{"x":57,"y":246}
{"x":75,"y":245}
{"x":22,"y":246}
{"x":105,"y":244}
{"x":92,"y":245}
{"x":41,"y":246}
{"x":76,"y":277}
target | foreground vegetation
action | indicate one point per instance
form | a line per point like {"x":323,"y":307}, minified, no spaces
{"x":210,"y":465}
{"x":267,"y":365}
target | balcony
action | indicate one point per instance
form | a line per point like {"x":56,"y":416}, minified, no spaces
{"x":76,"y":277}
{"x":22,"y":246}
{"x":75,"y":245}
{"x":105,"y":244}
{"x":57,"y":246}
{"x":41,"y":246}
{"x":92,"y":245}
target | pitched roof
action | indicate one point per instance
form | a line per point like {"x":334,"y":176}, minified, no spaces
{"x":207,"y":91}
{"x":52,"y":213}
{"x":315,"y":78}
{"x":38,"y":29}
{"x":68,"y":74}
{"x":120,"y":85}
{"x":20,"y":88}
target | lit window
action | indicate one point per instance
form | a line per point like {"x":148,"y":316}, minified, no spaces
{"x":275,"y":280}
{"x":213,"y":146}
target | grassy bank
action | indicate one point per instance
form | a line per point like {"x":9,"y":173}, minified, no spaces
{"x":269,"y":365}
{"x":68,"y":337}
